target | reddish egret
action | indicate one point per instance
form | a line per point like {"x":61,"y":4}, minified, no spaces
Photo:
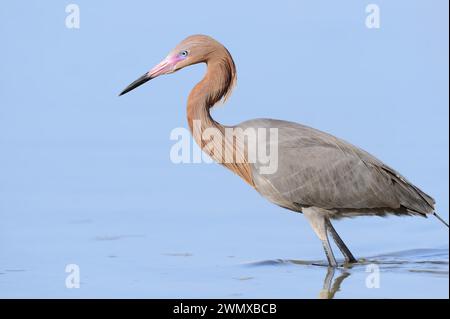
{"x":318,"y":175}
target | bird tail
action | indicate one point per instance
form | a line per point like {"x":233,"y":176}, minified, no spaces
{"x":440,"y":219}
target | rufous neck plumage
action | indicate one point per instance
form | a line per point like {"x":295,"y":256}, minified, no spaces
{"x":216,"y":85}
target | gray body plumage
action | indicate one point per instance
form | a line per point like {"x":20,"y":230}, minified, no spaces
{"x":316,"y":169}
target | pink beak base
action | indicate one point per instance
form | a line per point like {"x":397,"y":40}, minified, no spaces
{"x":164,"y":67}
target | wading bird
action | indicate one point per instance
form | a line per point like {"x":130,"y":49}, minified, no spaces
{"x":319,"y":175}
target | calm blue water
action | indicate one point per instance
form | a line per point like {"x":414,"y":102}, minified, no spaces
{"x":128,"y":243}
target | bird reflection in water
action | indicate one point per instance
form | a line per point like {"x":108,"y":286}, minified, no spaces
{"x":329,"y":287}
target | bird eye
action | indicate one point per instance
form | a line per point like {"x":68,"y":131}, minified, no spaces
{"x":184,"y":53}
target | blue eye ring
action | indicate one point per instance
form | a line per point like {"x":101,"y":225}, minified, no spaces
{"x":184,"y":53}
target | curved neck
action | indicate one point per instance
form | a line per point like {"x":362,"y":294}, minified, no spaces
{"x":200,"y":100}
{"x":208,"y":134}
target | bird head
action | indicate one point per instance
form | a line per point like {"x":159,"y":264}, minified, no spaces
{"x":192,"y":50}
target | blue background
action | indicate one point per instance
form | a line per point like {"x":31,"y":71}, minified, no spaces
{"x":86,"y":178}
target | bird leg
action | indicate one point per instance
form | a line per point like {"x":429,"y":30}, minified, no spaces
{"x":318,"y":221}
{"x":329,"y":252}
{"x":349,"y":258}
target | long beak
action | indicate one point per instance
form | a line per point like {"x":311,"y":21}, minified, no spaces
{"x":166,"y":66}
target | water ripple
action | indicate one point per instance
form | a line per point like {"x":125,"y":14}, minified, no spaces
{"x":429,"y":261}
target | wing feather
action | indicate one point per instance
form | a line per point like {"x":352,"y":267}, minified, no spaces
{"x":318,"y":169}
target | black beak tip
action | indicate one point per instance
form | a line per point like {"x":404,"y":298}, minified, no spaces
{"x":136,"y":83}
